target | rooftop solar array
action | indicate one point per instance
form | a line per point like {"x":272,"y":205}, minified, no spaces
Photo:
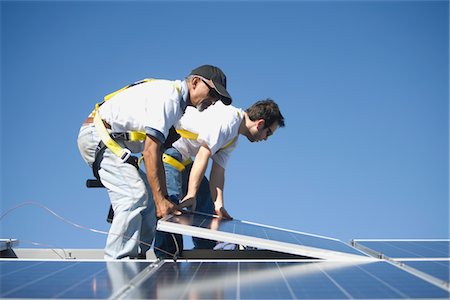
{"x":260,"y":236}
{"x":212,"y":280}
{"x":390,"y":269}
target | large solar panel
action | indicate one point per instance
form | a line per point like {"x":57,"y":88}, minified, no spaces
{"x":260,"y":236}
{"x":283,"y":280}
{"x":212,"y":280}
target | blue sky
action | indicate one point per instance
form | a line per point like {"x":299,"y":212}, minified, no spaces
{"x":363,"y":86}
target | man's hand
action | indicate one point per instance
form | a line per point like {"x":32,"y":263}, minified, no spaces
{"x":222,"y":212}
{"x":188,"y":202}
{"x":165,"y":207}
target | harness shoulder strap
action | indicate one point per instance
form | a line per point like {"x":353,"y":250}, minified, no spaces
{"x":122,"y":153}
{"x":194,"y":136}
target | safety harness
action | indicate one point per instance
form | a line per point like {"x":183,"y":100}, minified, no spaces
{"x":108,"y":140}
{"x":180,"y":166}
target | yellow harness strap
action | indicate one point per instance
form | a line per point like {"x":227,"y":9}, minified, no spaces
{"x":122,"y":153}
{"x":187,"y":134}
{"x":175,"y":163}
{"x":109,"y":96}
{"x":134,"y":136}
{"x":194,"y":136}
{"x":190,"y":136}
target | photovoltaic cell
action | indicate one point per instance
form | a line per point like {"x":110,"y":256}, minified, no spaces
{"x":256,"y":235}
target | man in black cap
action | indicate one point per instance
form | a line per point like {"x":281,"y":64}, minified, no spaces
{"x":137,"y":119}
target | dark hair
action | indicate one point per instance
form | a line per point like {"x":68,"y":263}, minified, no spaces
{"x":267,"y":110}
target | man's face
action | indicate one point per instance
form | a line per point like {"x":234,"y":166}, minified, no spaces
{"x":259,"y":132}
{"x":205,"y":95}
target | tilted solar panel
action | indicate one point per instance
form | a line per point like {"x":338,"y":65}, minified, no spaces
{"x":260,"y":236}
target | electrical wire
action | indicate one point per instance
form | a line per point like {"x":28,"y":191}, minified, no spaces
{"x":51,"y":247}
{"x":32,"y":203}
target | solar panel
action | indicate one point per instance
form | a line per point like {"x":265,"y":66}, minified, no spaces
{"x":408,"y":248}
{"x":6,"y":244}
{"x":427,"y":258}
{"x":312,"y":279}
{"x":66,"y":279}
{"x":436,"y":268}
{"x":283,"y":280}
{"x":260,"y":236}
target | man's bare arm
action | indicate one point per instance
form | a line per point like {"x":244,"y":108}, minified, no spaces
{"x":216,"y":185}
{"x":156,"y":177}
{"x":195,"y":178}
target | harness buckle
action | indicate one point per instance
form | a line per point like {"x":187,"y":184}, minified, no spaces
{"x":125,"y":155}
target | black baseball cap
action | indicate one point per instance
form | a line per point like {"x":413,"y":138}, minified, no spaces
{"x":217,"y":77}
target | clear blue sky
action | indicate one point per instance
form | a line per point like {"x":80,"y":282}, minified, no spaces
{"x":363,"y":85}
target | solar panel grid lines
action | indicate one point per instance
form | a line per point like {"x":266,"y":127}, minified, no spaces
{"x":242,"y":277}
{"x":29,"y":280}
{"x":219,"y":279}
{"x":16,"y":269}
{"x":284,"y":280}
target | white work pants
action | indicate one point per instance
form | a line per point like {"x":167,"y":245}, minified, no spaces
{"x":130,"y":196}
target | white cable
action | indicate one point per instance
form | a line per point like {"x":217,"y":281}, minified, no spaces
{"x":51,"y":247}
{"x":77,"y":225}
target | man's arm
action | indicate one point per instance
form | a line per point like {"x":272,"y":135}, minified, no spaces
{"x":195,"y":178}
{"x":156,"y":177}
{"x":216,"y":185}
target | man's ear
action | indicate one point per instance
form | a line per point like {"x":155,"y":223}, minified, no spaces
{"x":194,"y":81}
{"x":260,"y":124}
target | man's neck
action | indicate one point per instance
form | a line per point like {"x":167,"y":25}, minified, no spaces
{"x":243,"y":129}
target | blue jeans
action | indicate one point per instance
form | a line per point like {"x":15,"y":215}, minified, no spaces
{"x":131,"y":199}
{"x":177,"y":187}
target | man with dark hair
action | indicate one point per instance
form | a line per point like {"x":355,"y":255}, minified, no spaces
{"x":137,"y":119}
{"x":210,"y":134}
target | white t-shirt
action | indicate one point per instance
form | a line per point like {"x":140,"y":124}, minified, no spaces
{"x":217,"y":127}
{"x":152,"y":107}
